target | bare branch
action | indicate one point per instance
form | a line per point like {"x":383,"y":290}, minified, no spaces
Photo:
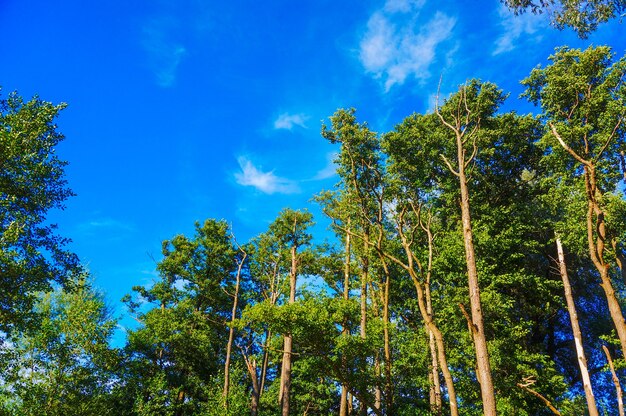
{"x":447,"y":162}
{"x":619,"y":122}
{"x":566,"y":147}
{"x":536,"y":394}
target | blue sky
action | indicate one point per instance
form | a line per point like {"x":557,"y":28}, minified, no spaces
{"x":185,"y":110}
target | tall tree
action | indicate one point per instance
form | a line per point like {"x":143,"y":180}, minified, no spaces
{"x":464,"y":115}
{"x":291,"y":229}
{"x":362,"y":185}
{"x":63,"y":365}
{"x":583,"y":98}
{"x":32,"y":182}
{"x":178,"y":350}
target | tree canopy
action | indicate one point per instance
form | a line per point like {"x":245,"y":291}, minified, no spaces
{"x":475,"y":266}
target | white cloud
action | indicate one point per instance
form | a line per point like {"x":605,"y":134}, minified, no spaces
{"x":288,"y":121}
{"x":393,"y":49}
{"x":265,"y":182}
{"x":164,"y":54}
{"x":513,"y":27}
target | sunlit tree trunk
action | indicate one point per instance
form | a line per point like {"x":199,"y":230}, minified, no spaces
{"x":343,"y":404}
{"x":578,"y":339}
{"x":596,"y":237}
{"x":435,"y":388}
{"x":459,"y":124}
{"x":231,"y":333}
{"x":618,"y":386}
{"x":285,"y":376}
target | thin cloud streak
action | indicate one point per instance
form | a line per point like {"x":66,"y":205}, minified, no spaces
{"x":393,"y":50}
{"x":288,"y":121}
{"x":100,"y":225}
{"x":164,"y":54}
{"x":266,"y":182}
{"x":329,"y":170}
{"x":514,"y":27}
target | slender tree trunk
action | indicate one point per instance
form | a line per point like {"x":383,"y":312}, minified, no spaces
{"x":460,"y":127}
{"x":343,"y":404}
{"x":387,"y":341}
{"x":377,"y":391}
{"x":478,"y":330}
{"x":596,"y":237}
{"x":433,"y":376}
{"x":377,"y":370}
{"x":266,"y":358}
{"x":618,"y":386}
{"x":435,"y":388}
{"x":438,"y":336}
{"x":350,"y":406}
{"x":231,"y":333}
{"x":364,"y":282}
{"x":573,"y":316}
{"x":256,"y":389}
{"x":285,"y":376}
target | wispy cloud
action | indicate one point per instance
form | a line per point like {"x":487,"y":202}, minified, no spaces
{"x":392,"y":49}
{"x":404,"y":6}
{"x":288,"y":121}
{"x":513,"y":27}
{"x":329,"y":170}
{"x":105,"y":225}
{"x":265,"y":182}
{"x":164,"y":53}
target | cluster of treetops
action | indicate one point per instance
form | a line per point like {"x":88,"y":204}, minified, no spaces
{"x":478,"y":268}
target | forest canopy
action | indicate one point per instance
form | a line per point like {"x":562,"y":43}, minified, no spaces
{"x":477,"y":267}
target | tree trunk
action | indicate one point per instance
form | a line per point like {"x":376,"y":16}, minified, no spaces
{"x":343,"y":404}
{"x":483,"y":367}
{"x":387,"y":341}
{"x":459,"y":125}
{"x":573,"y":316}
{"x":231,"y":333}
{"x":266,"y":358}
{"x":364,"y":282}
{"x":377,"y":391}
{"x":618,"y":386}
{"x":285,"y":376}
{"x":435,"y":388}
{"x":596,"y":238}
{"x":256,"y":389}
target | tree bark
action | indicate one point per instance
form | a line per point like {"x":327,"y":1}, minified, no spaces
{"x":483,"y":366}
{"x":435,"y":388}
{"x":231,"y":333}
{"x":364,"y":282}
{"x":618,"y":386}
{"x":343,"y":404}
{"x":460,"y":125}
{"x":596,"y":237}
{"x":573,"y":316}
{"x":285,"y":375}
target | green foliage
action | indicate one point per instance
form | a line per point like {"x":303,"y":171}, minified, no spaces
{"x":63,"y":364}
{"x":32,"y":183}
{"x":583,"y":16}
{"x":397,"y":204}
